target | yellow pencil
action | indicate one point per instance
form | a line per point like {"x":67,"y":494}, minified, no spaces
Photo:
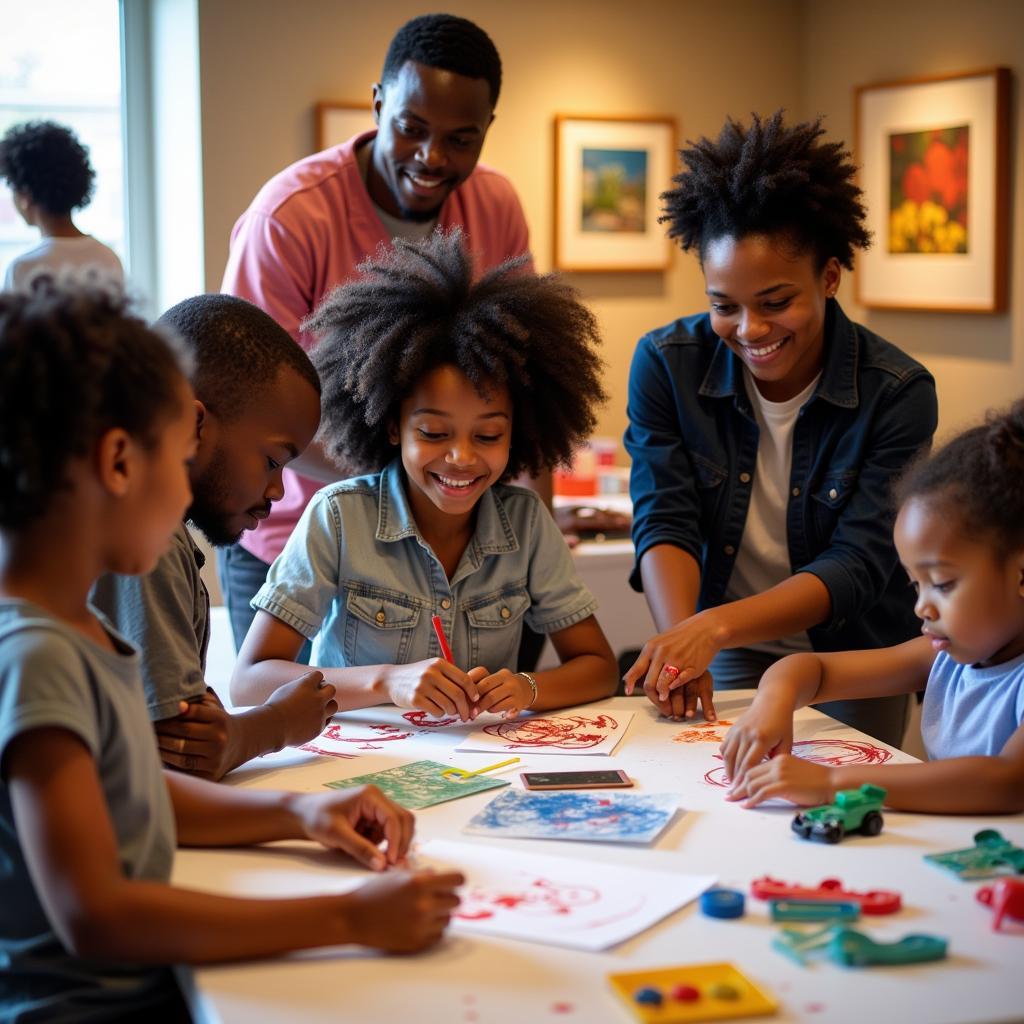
{"x":463,"y":774}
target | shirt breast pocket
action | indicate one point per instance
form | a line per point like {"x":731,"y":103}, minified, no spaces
{"x":829,"y":499}
{"x":495,"y":627}
{"x":709,"y":477}
{"x":379,"y":627}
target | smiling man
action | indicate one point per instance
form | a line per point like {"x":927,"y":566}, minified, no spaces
{"x":310,"y":226}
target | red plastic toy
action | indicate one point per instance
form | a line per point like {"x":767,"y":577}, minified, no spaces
{"x":874,"y":902}
{"x":1005,"y":897}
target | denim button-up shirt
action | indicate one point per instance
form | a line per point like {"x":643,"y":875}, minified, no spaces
{"x":693,"y":439}
{"x":357,"y":576}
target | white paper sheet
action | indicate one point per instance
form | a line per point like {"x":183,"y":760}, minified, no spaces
{"x":557,"y":901}
{"x":583,"y":732}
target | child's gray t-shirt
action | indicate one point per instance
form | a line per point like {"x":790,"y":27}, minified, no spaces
{"x":53,"y":676}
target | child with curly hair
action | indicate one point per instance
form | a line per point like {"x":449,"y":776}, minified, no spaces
{"x":765,"y":432}
{"x":960,"y":536}
{"x":48,"y":171}
{"x":444,"y":388}
{"x":97,"y":426}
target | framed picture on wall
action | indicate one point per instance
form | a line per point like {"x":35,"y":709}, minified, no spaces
{"x":935,"y":170}
{"x":337,"y":121}
{"x":609,"y":173}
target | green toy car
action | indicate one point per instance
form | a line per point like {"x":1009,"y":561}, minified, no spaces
{"x":853,"y":810}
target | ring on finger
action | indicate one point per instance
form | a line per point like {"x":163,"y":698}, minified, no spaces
{"x":670,"y":670}
{"x":181,"y":744}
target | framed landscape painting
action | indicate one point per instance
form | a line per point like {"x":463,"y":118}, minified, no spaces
{"x":609,"y":173}
{"x":934,"y":167}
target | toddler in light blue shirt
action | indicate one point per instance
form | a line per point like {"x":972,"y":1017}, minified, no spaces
{"x":960,"y":536}
{"x":445,"y":388}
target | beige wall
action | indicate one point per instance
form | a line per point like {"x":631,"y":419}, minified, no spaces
{"x":977,"y":360}
{"x":265,"y":63}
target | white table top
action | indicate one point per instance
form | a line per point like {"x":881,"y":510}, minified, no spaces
{"x":475,"y":980}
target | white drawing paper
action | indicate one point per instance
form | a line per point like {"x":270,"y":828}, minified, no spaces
{"x":557,"y":901}
{"x":581,"y":732}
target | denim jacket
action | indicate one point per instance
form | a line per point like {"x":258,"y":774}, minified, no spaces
{"x":357,"y":576}
{"x":693,"y":440}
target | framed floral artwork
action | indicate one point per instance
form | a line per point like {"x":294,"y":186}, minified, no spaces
{"x":934,"y":167}
{"x":609,"y":173}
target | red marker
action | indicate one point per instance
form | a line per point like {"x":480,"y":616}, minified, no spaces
{"x":441,"y":639}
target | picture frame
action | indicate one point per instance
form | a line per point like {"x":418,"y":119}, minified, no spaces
{"x":609,"y":175}
{"x":338,"y":120}
{"x":935,"y":170}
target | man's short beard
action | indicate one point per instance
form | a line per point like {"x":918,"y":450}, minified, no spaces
{"x":206,"y":511}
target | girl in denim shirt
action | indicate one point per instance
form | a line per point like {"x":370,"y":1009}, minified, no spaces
{"x":444,"y":388}
{"x":765,"y":433}
{"x":960,"y":535}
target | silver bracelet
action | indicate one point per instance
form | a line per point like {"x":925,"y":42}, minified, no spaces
{"x":533,"y":687}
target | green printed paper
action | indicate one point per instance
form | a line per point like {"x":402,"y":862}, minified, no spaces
{"x":420,"y":784}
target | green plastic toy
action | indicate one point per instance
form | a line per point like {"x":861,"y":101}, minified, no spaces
{"x":991,"y":855}
{"x":850,"y":948}
{"x":853,"y":810}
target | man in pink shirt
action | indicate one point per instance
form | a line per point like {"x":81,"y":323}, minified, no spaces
{"x":311,"y":225}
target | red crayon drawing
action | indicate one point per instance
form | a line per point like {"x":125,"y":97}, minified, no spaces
{"x":567,"y":732}
{"x":706,"y":732}
{"x":565,"y":902}
{"x":424,"y":720}
{"x":333,"y":733}
{"x":828,"y":752}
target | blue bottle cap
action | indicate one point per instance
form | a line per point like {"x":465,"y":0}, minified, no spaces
{"x":722,"y":903}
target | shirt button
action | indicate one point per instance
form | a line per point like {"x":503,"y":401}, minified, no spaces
{"x":796,"y":492}
{"x":729,"y":549}
{"x":833,"y":494}
{"x":744,"y":478}
{"x":445,"y":603}
{"x":505,"y":613}
{"x":381,"y":617}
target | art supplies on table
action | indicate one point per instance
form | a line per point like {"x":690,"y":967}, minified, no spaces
{"x":990,"y":855}
{"x":851,"y":948}
{"x":597,"y":817}
{"x":877,"y":901}
{"x":420,"y":784}
{"x":678,"y":995}
{"x":594,"y":732}
{"x":557,"y":901}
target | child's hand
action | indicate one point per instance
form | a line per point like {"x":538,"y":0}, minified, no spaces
{"x":504,"y":692}
{"x":306,"y":705}
{"x":764,"y":731}
{"x":435,"y":686}
{"x":199,"y":740}
{"x":786,"y":777}
{"x":403,"y":913}
{"x":358,"y":821}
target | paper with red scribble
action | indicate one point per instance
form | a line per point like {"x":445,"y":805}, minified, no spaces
{"x":558,"y":901}
{"x":586,"y":733}
{"x":352,"y":733}
{"x":831,"y":752}
{"x":706,"y":732}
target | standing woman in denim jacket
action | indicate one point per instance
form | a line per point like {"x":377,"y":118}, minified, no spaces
{"x":765,"y":433}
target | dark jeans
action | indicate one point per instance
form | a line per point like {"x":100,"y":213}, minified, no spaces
{"x":885,"y":718}
{"x":241,"y":574}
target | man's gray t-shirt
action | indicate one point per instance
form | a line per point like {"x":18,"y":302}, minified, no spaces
{"x":53,"y":676}
{"x":166,"y":614}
